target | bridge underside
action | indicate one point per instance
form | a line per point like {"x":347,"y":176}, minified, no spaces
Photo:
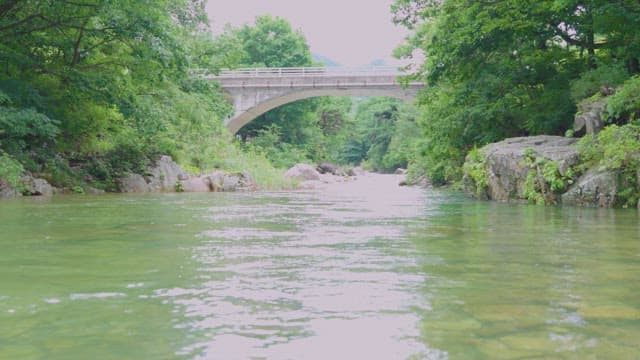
{"x":250,"y":104}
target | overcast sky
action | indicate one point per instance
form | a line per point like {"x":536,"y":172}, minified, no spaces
{"x":351,"y":32}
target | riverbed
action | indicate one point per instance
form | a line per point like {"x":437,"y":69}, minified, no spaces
{"x":359,"y":270}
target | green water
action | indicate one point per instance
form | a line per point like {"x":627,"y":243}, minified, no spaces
{"x":365,"y":270}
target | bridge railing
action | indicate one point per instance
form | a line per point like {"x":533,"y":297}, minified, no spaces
{"x":307,"y":71}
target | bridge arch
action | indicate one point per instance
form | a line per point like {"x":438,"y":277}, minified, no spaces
{"x":235,"y":123}
{"x":256,"y":91}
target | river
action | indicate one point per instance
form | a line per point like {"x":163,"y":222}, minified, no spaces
{"x":360,"y":270}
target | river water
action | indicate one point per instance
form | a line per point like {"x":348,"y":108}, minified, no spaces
{"x":362,"y":270}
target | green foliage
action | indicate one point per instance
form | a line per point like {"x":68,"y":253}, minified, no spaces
{"x":475,"y":168}
{"x":11,"y":171}
{"x":25,"y":129}
{"x":614,"y":148}
{"x":624,"y":105}
{"x":504,"y":69}
{"x":179,"y":187}
{"x":383,"y":135}
{"x":272,"y":42}
{"x":544,"y":181}
{"x":592,"y":81}
{"x":617,"y":149}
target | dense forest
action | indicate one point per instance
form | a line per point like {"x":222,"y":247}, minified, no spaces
{"x":515,"y":68}
{"x":93,"y":89}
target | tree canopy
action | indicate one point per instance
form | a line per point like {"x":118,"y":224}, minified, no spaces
{"x":507,"y":68}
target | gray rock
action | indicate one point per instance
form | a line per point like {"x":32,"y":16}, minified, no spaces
{"x":134,"y":183}
{"x":507,"y":172}
{"x":222,"y":181}
{"x":196,"y":184}
{"x":594,"y":189}
{"x":94,"y":191}
{"x":328,"y":168}
{"x":589,"y":115}
{"x":36,"y":187}
{"x":165,"y":174}
{"x":400,"y":171}
{"x":302,"y":172}
{"x":7,"y":191}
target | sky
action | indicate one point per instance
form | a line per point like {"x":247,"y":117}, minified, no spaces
{"x":350,"y":32}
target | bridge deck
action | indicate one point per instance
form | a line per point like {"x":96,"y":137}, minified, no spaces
{"x":306,"y":72}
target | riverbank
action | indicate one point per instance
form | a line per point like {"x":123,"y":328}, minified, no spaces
{"x":595,"y":171}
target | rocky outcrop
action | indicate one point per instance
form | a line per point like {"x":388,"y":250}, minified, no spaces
{"x":302,"y":172}
{"x":29,"y":186}
{"x":542,"y":169}
{"x":6,"y":191}
{"x":219,"y":181}
{"x":162,"y":177}
{"x":134,"y":183}
{"x":36,"y":187}
{"x":168,"y":176}
{"x":505,"y":163}
{"x":328,"y":168}
{"x":319,"y":177}
{"x":594,"y":188}
{"x":589,"y":115}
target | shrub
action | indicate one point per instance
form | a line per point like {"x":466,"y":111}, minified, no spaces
{"x":10,"y":171}
{"x":617,"y":149}
{"x":475,"y":169}
{"x":624,"y":105}
{"x":591,"y":82}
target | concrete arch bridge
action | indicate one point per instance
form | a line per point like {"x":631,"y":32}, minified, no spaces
{"x":255,"y":91}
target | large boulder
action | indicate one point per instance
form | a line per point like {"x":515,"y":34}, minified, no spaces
{"x":164,"y":176}
{"x":36,"y":187}
{"x":329,"y":168}
{"x":196,"y":184}
{"x":167,"y":176}
{"x":219,"y":181}
{"x":593,"y":189}
{"x":506,"y":163}
{"x":302,"y":172}
{"x":589,"y":115}
{"x":134,"y":183}
{"x":161,"y":177}
{"x":222,"y":181}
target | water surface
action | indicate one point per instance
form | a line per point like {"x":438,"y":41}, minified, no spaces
{"x":354,"y":271}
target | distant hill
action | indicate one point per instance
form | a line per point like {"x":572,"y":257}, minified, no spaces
{"x":378,"y":62}
{"x":324,"y":60}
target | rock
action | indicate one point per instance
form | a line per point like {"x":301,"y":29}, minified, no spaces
{"x":7,"y":191}
{"x":196,"y":184}
{"x":165,"y":174}
{"x":505,"y":163}
{"x":325,"y":167}
{"x":94,"y":191}
{"x":302,"y":172}
{"x":36,"y":187}
{"x":589,"y":115}
{"x":593,"y":189}
{"x":400,"y":171}
{"x":222,"y":181}
{"x":134,"y":183}
{"x":328,"y":168}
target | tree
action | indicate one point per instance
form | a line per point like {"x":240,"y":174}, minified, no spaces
{"x":502,"y":69}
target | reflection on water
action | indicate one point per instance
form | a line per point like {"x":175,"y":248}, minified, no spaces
{"x":358,"y":270}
